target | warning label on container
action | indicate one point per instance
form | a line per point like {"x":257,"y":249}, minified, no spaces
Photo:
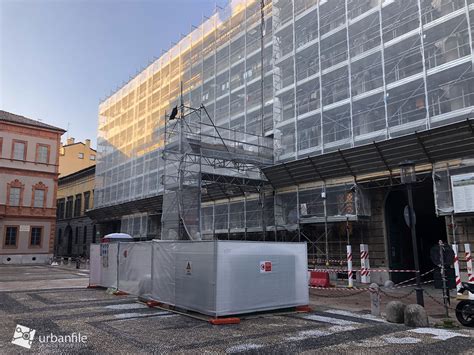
{"x":265,"y":266}
{"x":188,"y":268}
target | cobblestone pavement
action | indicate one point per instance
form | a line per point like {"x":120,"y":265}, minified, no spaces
{"x":119,"y":324}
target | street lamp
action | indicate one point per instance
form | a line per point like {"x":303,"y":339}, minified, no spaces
{"x":408,"y":177}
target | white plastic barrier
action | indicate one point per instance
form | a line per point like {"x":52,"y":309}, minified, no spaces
{"x":108,"y":256}
{"x":230,"y":277}
{"x":95,"y":265}
{"x":134,"y":267}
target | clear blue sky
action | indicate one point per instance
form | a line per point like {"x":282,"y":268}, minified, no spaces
{"x":58,"y":58}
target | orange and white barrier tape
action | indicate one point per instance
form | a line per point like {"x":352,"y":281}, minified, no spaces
{"x":456,"y":267}
{"x":470,"y":275}
{"x":364,"y":264}
{"x":349,"y":266}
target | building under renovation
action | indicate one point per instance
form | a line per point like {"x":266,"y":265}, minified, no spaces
{"x":287,"y":120}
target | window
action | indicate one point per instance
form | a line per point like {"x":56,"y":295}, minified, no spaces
{"x":11,"y":234}
{"x":60,"y":204}
{"x":15,"y":194}
{"x":77,"y":205}
{"x":69,"y":202}
{"x":40,"y":191}
{"x":35,"y":236}
{"x":80,"y":155}
{"x":87,"y":199}
{"x":19,"y":150}
{"x":42,"y":153}
{"x":84,"y":237}
{"x":39,"y":199}
{"x":92,"y":157}
{"x":76,"y":239}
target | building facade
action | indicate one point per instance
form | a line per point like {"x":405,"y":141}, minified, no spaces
{"x":351,"y":88}
{"x":29,"y":155}
{"x":75,"y":231}
{"x":75,"y":156}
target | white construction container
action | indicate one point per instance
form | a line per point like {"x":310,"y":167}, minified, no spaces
{"x":221,"y":278}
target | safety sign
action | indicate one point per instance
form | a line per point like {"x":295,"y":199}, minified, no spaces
{"x":265,"y":266}
{"x":188,"y":268}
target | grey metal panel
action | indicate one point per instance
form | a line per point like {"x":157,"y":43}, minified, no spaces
{"x":195,"y":288}
{"x":224,"y":276}
{"x":243,"y":288}
{"x":163,"y":282}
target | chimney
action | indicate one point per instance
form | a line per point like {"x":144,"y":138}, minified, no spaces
{"x":70,"y":140}
{"x":88,"y":143}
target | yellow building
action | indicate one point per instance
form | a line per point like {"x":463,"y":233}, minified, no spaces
{"x":74,"y":230}
{"x":75,"y":156}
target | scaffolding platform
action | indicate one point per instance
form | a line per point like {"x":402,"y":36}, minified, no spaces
{"x":203,"y":160}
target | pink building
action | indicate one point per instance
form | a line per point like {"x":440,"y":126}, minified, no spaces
{"x":29,"y":156}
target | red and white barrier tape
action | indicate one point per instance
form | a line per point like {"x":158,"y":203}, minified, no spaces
{"x":323,"y":261}
{"x":368,"y":270}
{"x":363,"y":288}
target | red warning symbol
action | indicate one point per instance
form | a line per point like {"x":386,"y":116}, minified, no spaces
{"x":265,"y":266}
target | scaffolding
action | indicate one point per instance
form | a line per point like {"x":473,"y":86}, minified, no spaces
{"x":316,"y":76}
{"x":200,"y":158}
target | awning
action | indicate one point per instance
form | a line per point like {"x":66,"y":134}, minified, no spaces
{"x":109,"y":213}
{"x":425,"y":147}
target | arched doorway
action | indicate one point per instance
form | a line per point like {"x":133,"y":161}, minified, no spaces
{"x":68,"y":235}
{"x":94,"y":232}
{"x":59,"y":241}
{"x":429,"y":229}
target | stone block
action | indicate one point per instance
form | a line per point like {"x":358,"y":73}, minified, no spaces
{"x":395,"y":312}
{"x":415,"y":316}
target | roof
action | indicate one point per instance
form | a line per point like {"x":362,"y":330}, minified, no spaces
{"x":90,"y":170}
{"x":22,"y":120}
{"x":425,"y":147}
{"x":75,"y":143}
